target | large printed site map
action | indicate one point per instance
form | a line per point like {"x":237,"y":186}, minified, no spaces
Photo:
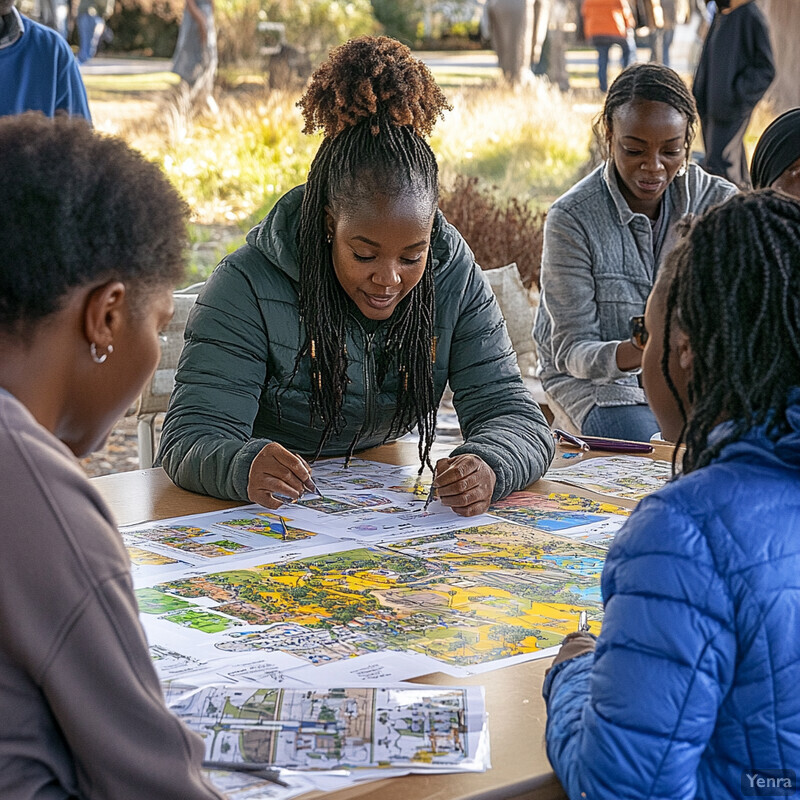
{"x":362,"y":585}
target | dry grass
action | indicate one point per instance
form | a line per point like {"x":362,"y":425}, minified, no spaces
{"x":528,"y":142}
{"x":234,"y":164}
{"x":228,"y":164}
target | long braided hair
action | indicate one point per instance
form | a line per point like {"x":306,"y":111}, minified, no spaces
{"x":375,"y":103}
{"x":733,"y":286}
{"x":653,"y":82}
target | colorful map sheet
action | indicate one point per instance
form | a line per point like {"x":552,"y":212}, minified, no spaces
{"x":367,"y":588}
{"x":628,"y":477}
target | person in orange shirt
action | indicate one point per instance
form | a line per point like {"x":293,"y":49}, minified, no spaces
{"x":606,"y":23}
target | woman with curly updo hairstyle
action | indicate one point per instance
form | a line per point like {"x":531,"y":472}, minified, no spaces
{"x":338,"y":324}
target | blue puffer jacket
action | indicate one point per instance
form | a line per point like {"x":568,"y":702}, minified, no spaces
{"x":696,"y":676}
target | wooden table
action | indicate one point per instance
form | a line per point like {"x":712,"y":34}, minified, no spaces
{"x":520,"y":768}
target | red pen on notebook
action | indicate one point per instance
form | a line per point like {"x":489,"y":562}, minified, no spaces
{"x":599,"y":443}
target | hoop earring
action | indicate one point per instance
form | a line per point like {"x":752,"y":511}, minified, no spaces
{"x":100,"y":359}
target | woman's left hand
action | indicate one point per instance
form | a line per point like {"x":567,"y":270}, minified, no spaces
{"x":465,"y":484}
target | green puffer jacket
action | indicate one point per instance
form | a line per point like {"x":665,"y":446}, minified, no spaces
{"x":234,"y":392}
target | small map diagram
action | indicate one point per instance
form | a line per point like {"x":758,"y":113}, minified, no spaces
{"x":555,"y":512}
{"x":328,"y":729}
{"x":336,"y":505}
{"x":577,"y":518}
{"x":348,"y":483}
{"x":628,"y":477}
{"x":413,"y":485}
{"x":169,"y":663}
{"x":265,"y":524}
{"x":147,"y":558}
{"x":186,"y":539}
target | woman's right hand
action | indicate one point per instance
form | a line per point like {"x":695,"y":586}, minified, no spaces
{"x":276,"y":470}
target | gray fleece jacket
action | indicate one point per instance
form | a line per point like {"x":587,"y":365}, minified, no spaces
{"x":598,"y":267}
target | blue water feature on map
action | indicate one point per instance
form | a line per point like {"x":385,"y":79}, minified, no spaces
{"x":583,"y":565}
{"x":593,"y":594}
{"x":563,"y":521}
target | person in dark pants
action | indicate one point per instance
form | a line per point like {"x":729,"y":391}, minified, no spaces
{"x":735,"y":70}
{"x":606,"y":23}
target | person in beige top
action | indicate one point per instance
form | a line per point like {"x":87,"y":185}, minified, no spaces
{"x":92,"y":238}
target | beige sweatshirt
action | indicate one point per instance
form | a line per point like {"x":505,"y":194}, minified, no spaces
{"x":81,"y":711}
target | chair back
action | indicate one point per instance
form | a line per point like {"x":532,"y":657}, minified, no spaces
{"x":156,"y":394}
{"x":512,"y":297}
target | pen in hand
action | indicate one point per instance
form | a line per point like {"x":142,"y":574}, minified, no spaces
{"x":429,"y":498}
{"x":309,"y":488}
{"x":312,"y":487}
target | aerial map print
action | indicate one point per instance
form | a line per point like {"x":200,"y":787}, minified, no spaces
{"x":363,"y":585}
{"x":629,"y":477}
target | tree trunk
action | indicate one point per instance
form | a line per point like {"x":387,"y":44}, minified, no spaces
{"x":784,"y":22}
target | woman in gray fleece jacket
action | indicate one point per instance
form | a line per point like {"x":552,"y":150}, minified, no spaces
{"x":603,"y":242}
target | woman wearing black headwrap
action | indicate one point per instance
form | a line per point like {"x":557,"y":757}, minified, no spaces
{"x":776,"y":160}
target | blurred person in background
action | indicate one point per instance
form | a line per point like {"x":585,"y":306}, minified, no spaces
{"x":607,"y":23}
{"x":736,"y":68}
{"x":37,"y":69}
{"x":195,"y":58}
{"x":91,"y":22}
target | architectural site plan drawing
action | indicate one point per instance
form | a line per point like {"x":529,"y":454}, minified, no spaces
{"x":426,"y":728}
{"x":366,"y":587}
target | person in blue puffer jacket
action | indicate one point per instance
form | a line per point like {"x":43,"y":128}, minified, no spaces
{"x":691,"y":689}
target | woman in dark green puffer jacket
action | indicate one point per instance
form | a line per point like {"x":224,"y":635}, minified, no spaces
{"x":338,"y":324}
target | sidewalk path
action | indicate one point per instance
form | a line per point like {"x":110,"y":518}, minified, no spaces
{"x":124,"y":65}
{"x":577,"y":60}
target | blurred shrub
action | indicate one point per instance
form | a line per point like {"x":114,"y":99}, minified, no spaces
{"x":313,"y":26}
{"x":149,"y":27}
{"x":400,"y":19}
{"x":498,"y":231}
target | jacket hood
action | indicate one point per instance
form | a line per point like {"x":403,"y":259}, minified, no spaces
{"x":783,"y":451}
{"x":276,"y":235}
